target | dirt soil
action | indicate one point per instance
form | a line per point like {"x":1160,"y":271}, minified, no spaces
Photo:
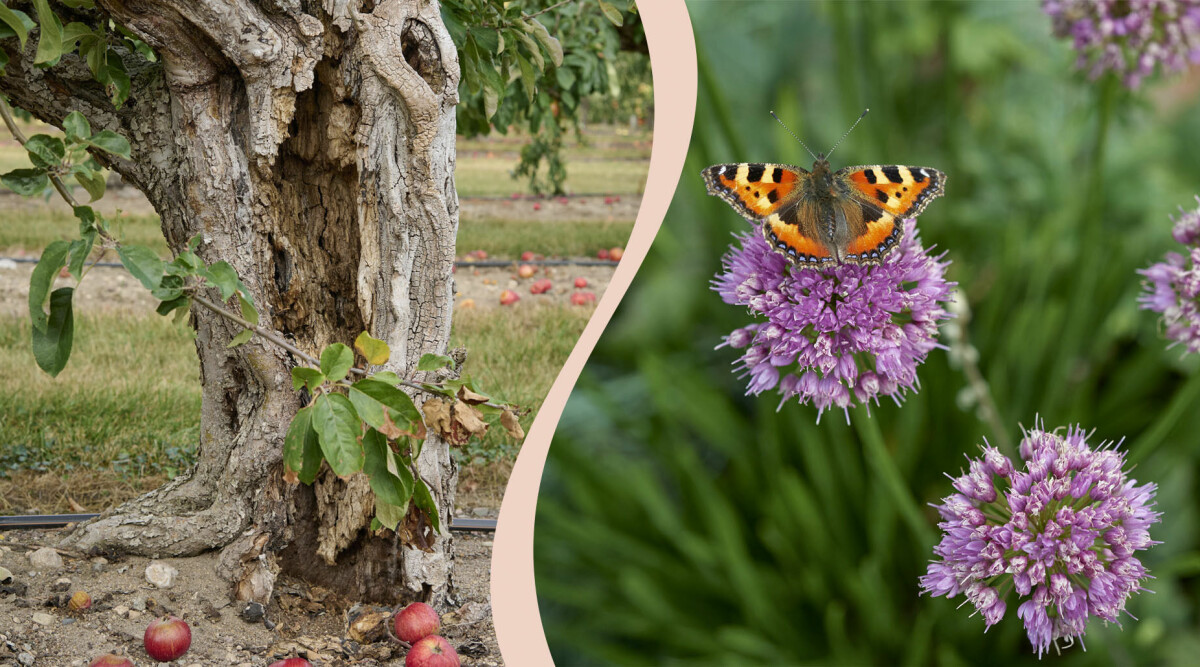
{"x":36,"y":627}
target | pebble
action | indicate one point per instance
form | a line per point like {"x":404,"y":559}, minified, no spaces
{"x":5,"y":576}
{"x":25,"y":658}
{"x":161,"y":575}
{"x":46,"y":559}
{"x":120,"y":610}
{"x":7,"y":265}
{"x":42,"y":618}
{"x":98,"y":564}
{"x":61,"y":585}
{"x":133,"y":615}
{"x":253,"y":612}
{"x":138,"y":604}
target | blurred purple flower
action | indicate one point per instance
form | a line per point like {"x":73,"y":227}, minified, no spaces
{"x":1173,"y":286}
{"x":836,"y":335}
{"x":1129,"y":37}
{"x":1062,"y":533}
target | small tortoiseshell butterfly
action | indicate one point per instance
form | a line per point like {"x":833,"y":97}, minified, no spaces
{"x":824,"y":217}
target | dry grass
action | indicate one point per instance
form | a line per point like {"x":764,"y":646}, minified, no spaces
{"x":31,"y":492}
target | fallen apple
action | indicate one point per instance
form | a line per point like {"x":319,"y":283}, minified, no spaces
{"x":563,"y":200}
{"x":608,"y":200}
{"x":432,"y":651}
{"x":79,"y":601}
{"x":466,"y":303}
{"x":578,"y":299}
{"x":292,"y":662}
{"x":167,"y":638}
{"x":540,"y":286}
{"x":527,"y":256}
{"x":581,"y":282}
{"x":509,"y":297}
{"x":516,"y":195}
{"x":602,"y":253}
{"x":415,"y":622}
{"x":111,"y":660}
{"x":616,"y":254}
{"x":526,"y":271}
{"x":537,"y":206}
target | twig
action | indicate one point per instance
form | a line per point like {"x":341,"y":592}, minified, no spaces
{"x":550,"y":8}
{"x":33,"y":546}
{"x":6,"y":112}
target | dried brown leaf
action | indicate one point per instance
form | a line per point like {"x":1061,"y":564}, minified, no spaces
{"x":508,"y":419}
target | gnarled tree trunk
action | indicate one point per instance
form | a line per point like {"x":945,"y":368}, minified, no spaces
{"x":311,"y":145}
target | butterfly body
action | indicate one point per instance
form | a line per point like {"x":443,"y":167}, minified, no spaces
{"x":823,"y":217}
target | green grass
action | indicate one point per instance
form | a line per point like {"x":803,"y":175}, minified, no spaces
{"x":492,"y":177}
{"x":516,"y":354}
{"x":34,"y":227}
{"x":129,"y":398}
{"x":508,"y":239}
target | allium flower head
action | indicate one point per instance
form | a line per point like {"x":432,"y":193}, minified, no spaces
{"x":1173,"y":286}
{"x":1129,"y":37}
{"x":1062,"y":532}
{"x":838,"y":335}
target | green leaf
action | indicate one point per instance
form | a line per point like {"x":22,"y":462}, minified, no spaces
{"x":240,"y":339}
{"x":72,"y":34}
{"x":249,"y":312}
{"x":17,"y":21}
{"x":611,"y":13}
{"x":551,"y":44}
{"x":386,"y":376}
{"x":424,"y":500}
{"x":303,"y":376}
{"x":338,"y":427}
{"x":458,"y":32}
{"x":80,"y":249}
{"x":368,"y":408}
{"x":45,"y":151}
{"x":393,"y":489}
{"x":336,"y":361}
{"x":391,"y":397}
{"x":375,"y":351}
{"x":387,"y":515}
{"x":433,"y":362}
{"x":142,"y":263}
{"x":222,"y":276}
{"x":93,"y":182}
{"x":534,"y":52}
{"x":376,"y":524}
{"x":52,"y":345}
{"x":26,"y":182}
{"x":49,"y":48}
{"x":166,"y":307}
{"x":53,"y":258}
{"x":110,"y":142}
{"x":529,"y":77}
{"x":87,"y":218}
{"x":301,"y":447}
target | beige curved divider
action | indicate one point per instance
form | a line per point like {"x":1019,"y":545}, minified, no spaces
{"x":514,"y":596}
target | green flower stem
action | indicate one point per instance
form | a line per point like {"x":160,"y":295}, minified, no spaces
{"x":881,"y":462}
{"x":1183,"y":399}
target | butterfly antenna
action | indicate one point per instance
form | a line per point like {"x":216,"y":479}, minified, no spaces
{"x":794,"y":135}
{"x":839,"y":141}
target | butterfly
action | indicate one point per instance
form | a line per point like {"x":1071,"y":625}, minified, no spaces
{"x":822,"y":217}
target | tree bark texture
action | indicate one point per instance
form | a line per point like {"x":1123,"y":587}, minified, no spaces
{"x":311,"y":145}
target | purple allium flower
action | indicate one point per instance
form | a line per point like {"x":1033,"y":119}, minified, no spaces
{"x":1129,"y":37}
{"x":836,"y":335}
{"x":1173,"y":286}
{"x":1062,"y":533}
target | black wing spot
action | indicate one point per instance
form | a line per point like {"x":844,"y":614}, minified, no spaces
{"x":881,"y":195}
{"x":777,"y":175}
{"x":893,"y":174}
{"x":870,"y":175}
{"x":772,"y":196}
{"x":919,"y":175}
{"x":754,"y":173}
{"x":869,"y":213}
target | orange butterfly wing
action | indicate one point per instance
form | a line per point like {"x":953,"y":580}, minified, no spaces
{"x":902,"y":191}
{"x":756,"y":190}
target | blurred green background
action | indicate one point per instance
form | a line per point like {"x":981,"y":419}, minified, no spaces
{"x":681,"y":522}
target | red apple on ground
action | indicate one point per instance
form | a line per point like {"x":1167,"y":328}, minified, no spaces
{"x":516,"y":195}
{"x":527,"y":256}
{"x":509,"y":297}
{"x":540,"y":286}
{"x":578,"y":299}
{"x":111,"y":660}
{"x":602,"y":254}
{"x":608,"y":200}
{"x":292,"y":662}
{"x":563,"y":200}
{"x":581,"y":282}
{"x":432,"y":651}
{"x":466,"y":303}
{"x":167,"y":638}
{"x":526,"y":271}
{"x":537,"y":206}
{"x":616,"y":254}
{"x":79,"y":601}
{"x":415,"y":622}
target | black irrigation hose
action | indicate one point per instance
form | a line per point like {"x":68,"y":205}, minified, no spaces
{"x":483,"y":263}
{"x":60,"y":520}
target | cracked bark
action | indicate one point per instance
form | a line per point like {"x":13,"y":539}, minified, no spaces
{"x":311,"y":144}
